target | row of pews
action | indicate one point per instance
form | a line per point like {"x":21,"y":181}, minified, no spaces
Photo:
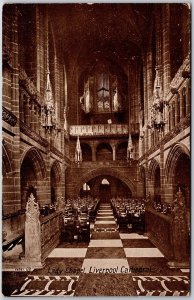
{"x":129,"y":213}
{"x":78,"y":214}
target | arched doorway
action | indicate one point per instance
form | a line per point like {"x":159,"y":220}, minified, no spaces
{"x":178,"y":179}
{"x":105,"y":187}
{"x":32,"y":174}
{"x":86,"y":152}
{"x":121,"y":153}
{"x":28,"y":181}
{"x":181,"y":178}
{"x":104,"y":190}
{"x":104,"y":152}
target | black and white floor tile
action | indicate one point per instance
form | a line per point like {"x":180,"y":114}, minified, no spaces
{"x":111,"y":264}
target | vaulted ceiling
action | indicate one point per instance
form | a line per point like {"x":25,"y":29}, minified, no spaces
{"x":86,"y":33}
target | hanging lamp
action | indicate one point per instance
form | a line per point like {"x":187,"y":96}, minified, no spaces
{"x":130,"y":149}
{"x":78,"y":152}
{"x":48,"y":110}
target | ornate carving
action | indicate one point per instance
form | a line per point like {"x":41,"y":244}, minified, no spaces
{"x":102,"y":129}
{"x":33,"y":135}
{"x":32,"y":210}
{"x":27,"y":83}
{"x":32,"y":232}
{"x":180,"y":234}
{"x":9,"y":117}
{"x":177,"y":80}
{"x":185,"y":123}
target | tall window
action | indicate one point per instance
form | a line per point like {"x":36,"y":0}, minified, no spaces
{"x":169,"y":119}
{"x":178,"y":108}
{"x":184,"y":102}
{"x":173,"y":115}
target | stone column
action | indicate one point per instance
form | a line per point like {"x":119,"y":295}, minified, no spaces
{"x":162,"y":171}
{"x":166,"y":54}
{"x":114,"y":152}
{"x":149,"y":91}
{"x":15,"y":199}
{"x":93,"y":152}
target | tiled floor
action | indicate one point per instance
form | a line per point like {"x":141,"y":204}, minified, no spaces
{"x":112,"y":264}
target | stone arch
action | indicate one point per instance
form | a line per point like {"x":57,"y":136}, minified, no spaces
{"x":32,"y":174}
{"x":172,"y":158}
{"x":104,"y":151}
{"x":177,"y":170}
{"x":105,"y":172}
{"x":86,"y":151}
{"x":155,"y":179}
{"x":121,"y":150}
{"x":154,"y":164}
{"x":35,"y":156}
{"x":57,"y":169}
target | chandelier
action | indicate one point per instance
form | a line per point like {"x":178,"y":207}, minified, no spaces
{"x":157,"y":117}
{"x":49,"y":108}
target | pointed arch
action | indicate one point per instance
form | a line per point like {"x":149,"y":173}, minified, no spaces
{"x":154,"y":164}
{"x":105,"y":172}
{"x":34,"y":155}
{"x":177,"y":150}
{"x":55,"y":167}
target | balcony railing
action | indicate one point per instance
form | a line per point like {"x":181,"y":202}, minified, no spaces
{"x":102,"y":129}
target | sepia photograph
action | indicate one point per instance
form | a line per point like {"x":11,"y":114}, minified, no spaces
{"x":96,"y":167}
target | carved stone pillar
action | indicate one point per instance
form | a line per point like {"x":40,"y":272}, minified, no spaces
{"x":180,"y":234}
{"x":32,"y":234}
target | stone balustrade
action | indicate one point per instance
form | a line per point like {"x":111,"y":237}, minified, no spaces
{"x":99,"y":130}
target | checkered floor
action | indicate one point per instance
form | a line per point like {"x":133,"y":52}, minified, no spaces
{"x":111,"y":264}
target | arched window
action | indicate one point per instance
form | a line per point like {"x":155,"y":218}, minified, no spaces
{"x":178,"y":109}
{"x":86,"y":187}
{"x":169,"y":118}
{"x":173,"y":115}
{"x":104,"y":152}
{"x":86,"y":152}
{"x":122,"y":151}
{"x":105,"y":181}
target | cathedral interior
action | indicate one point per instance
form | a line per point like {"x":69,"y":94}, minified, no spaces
{"x":96,"y":149}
